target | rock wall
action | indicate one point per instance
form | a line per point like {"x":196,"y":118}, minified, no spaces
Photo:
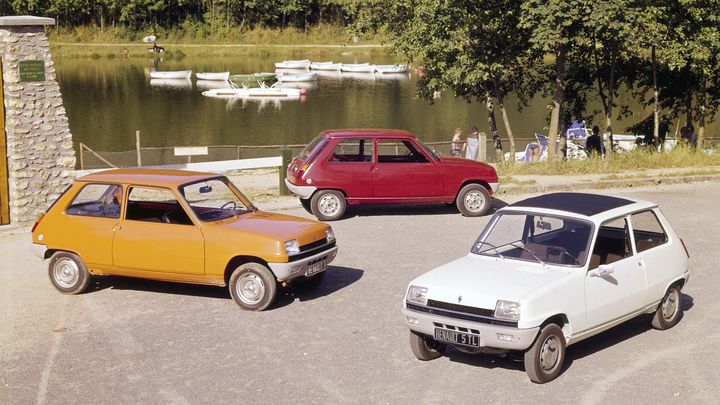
{"x":41,"y":158}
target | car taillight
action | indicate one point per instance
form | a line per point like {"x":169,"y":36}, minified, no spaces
{"x":685,"y":247}
{"x":37,"y":222}
{"x":302,"y":170}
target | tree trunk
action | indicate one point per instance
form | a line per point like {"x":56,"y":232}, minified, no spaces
{"x":503,"y":111}
{"x":558,"y":97}
{"x":491,"y":117}
{"x":702,"y":100}
{"x":609,"y":108}
{"x":656,"y":102}
{"x":688,"y":98}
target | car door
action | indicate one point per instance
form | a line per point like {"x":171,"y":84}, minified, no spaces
{"x":145,"y":241}
{"x":404,"y":172}
{"x":612,"y":296}
{"x":349,"y":167}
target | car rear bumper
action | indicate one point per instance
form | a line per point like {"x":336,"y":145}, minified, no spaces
{"x":303,"y":192}
{"x":39,"y":250}
{"x":494,"y":187}
{"x":489,"y":334}
{"x":298,"y":268}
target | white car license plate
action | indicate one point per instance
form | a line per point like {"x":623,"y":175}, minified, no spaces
{"x":316,"y":268}
{"x":458,"y":338}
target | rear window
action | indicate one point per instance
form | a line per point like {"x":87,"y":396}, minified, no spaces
{"x":312,"y":148}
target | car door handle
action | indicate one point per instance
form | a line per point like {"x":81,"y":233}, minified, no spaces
{"x":116,"y":228}
{"x":641,"y":263}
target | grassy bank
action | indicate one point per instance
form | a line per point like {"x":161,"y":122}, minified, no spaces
{"x":627,"y":163}
{"x":92,"y":42}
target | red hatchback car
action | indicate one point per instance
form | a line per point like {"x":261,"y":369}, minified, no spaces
{"x":379,"y":166}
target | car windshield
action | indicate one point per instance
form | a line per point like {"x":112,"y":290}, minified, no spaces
{"x":538,"y":238}
{"x":428,"y":150}
{"x":311,"y":148}
{"x":215,"y":199}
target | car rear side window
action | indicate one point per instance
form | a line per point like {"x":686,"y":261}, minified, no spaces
{"x":647,"y":230}
{"x":352,"y":150}
{"x":155,"y":205}
{"x":399,"y":151}
{"x":97,"y":200}
{"x":312,"y":148}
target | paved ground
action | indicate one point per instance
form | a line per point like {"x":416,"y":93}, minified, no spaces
{"x":130,"y":341}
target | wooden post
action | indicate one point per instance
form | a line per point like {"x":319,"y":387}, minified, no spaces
{"x":482,"y":147}
{"x":137,"y":148}
{"x":4,"y":187}
{"x":286,"y":154}
{"x":82,"y":157}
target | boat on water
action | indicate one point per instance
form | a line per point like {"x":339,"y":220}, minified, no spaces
{"x":253,"y":79}
{"x":357,"y":68}
{"x":171,"y":74}
{"x":217,"y":76}
{"x":256,"y":93}
{"x":391,"y":69}
{"x":293,"y":64}
{"x":296,"y":77}
{"x":325,"y":66}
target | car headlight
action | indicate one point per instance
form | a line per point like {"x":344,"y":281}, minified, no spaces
{"x":507,"y":310}
{"x":417,"y":295}
{"x":292,"y":247}
{"x":329,"y":234}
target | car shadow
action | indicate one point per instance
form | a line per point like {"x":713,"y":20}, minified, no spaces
{"x":592,"y":345}
{"x":412,"y":209}
{"x":336,"y":279}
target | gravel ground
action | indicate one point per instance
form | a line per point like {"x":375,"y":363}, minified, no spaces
{"x":133,"y":341}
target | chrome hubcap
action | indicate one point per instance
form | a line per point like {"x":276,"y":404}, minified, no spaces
{"x":66,"y":273}
{"x":474,"y":201}
{"x":549,"y":353}
{"x":670,"y":305}
{"x":329,"y":205}
{"x":250,"y":289}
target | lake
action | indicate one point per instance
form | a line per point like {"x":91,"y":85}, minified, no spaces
{"x":108,"y":99}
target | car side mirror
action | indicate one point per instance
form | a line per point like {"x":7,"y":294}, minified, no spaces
{"x":602,"y":270}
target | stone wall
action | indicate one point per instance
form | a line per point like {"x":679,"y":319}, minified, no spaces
{"x":41,"y":158}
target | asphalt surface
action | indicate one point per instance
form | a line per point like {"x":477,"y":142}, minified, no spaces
{"x":135,"y":341}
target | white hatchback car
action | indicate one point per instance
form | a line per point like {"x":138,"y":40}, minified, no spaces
{"x":548,"y":272}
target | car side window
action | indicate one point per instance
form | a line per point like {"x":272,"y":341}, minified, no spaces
{"x":97,"y":200}
{"x":647,"y":231}
{"x":612,"y":243}
{"x":398,"y":151}
{"x":155,"y":205}
{"x":352,"y":150}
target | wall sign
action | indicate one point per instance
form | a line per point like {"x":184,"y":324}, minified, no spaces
{"x":31,"y":70}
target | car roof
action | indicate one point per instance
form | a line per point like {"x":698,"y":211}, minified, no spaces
{"x":150,"y":177}
{"x":595,"y":207}
{"x":354,"y":133}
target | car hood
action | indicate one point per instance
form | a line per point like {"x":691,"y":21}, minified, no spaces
{"x":278,"y":226}
{"x":480,"y":281}
{"x":457,"y":162}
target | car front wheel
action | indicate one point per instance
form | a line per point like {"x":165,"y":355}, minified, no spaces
{"x":544,"y":359}
{"x":667,"y":314}
{"x":473,"y":200}
{"x":328,"y":205}
{"x":68,"y":273}
{"x":253,"y":286}
{"x":424,"y":347}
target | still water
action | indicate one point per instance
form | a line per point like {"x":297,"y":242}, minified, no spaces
{"x":108,"y":99}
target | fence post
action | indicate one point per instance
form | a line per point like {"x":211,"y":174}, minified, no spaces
{"x":137,"y":148}
{"x":82,"y":160}
{"x":286,"y":154}
{"x":482,"y":147}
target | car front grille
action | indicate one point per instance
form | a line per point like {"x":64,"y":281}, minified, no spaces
{"x":477,"y":314}
{"x":312,"y":249}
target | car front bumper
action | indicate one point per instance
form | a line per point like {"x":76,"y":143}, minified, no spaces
{"x":39,"y":250}
{"x":303,"y":192}
{"x":290,"y":270}
{"x":489,"y":334}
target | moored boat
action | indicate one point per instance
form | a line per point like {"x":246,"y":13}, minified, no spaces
{"x":357,"y":68}
{"x":171,"y":74}
{"x":325,"y":66}
{"x":219,"y":76}
{"x":391,"y":69}
{"x":296,"y":77}
{"x":293,"y":64}
{"x":253,"y":79}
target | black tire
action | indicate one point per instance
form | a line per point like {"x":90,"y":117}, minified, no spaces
{"x":305,"y":202}
{"x":313,"y":281}
{"x":473,"y":200}
{"x":253,"y":286}
{"x":545,"y":358}
{"x":68,"y":273}
{"x":424,"y":347}
{"x":328,"y":205}
{"x":668,"y":312}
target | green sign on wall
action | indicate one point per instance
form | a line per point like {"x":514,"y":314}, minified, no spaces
{"x":31,"y":70}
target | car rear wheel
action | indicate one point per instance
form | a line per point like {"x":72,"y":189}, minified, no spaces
{"x":253,"y":286}
{"x":424,"y":347}
{"x":544,"y":359}
{"x":68,"y":273}
{"x":667,"y":314}
{"x":473,"y":200}
{"x":328,"y":205}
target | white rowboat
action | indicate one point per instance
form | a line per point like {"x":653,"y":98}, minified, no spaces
{"x":357,"y":68}
{"x":387,"y":69}
{"x":220,"y":76}
{"x":325,"y":66}
{"x":171,"y":74}
{"x":293,"y":64}
{"x":296,"y":77}
{"x":256,"y":93}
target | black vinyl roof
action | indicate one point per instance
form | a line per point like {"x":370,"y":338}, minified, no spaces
{"x":578,"y":203}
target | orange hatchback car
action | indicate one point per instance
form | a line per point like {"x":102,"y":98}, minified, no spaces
{"x":180,"y":226}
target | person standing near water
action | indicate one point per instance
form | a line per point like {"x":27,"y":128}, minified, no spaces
{"x":456,"y":146}
{"x":471,"y":144}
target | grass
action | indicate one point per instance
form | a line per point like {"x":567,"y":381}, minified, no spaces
{"x":632,"y":161}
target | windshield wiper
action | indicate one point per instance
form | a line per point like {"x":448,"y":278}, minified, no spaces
{"x":529,"y":251}
{"x":494,"y":248}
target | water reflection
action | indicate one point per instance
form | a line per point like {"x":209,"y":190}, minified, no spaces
{"x":211,"y":84}
{"x":184,"y":84}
